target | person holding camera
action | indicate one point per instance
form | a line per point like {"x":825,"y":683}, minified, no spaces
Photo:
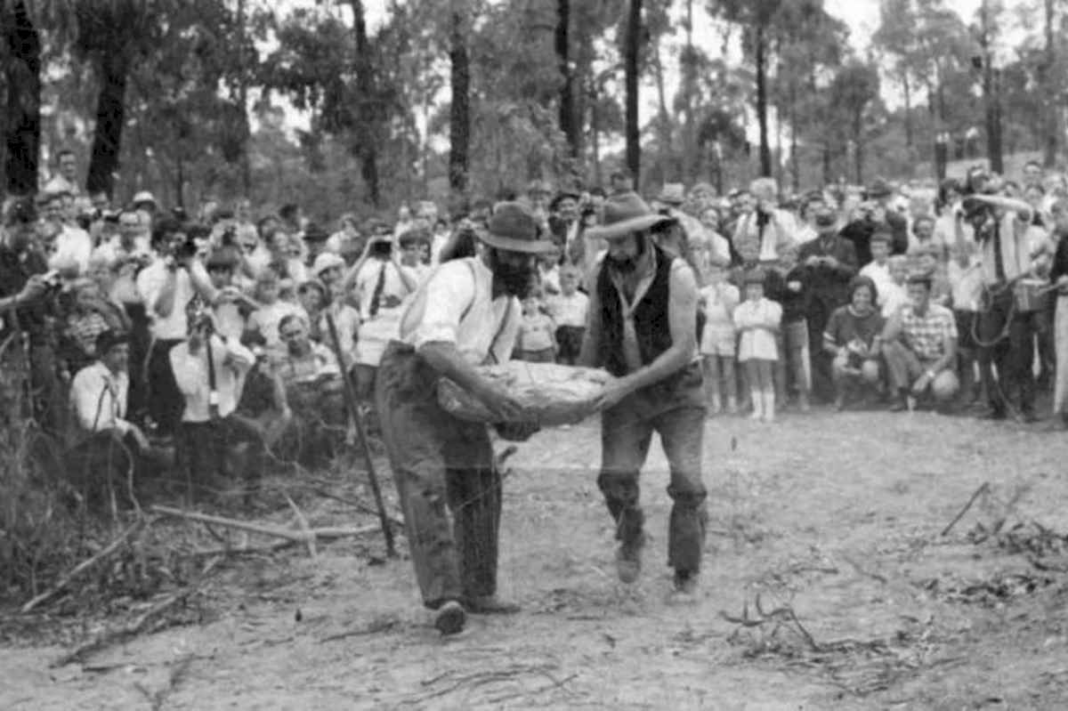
{"x":167,"y":286}
{"x":761,"y":235}
{"x":28,"y":305}
{"x":209,"y":372}
{"x":876,"y":213}
{"x":380,"y":282}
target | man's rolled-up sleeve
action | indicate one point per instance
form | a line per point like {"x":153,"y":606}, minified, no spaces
{"x":449,"y":292}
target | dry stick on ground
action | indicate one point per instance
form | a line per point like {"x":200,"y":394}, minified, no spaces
{"x":296,"y":536}
{"x":85,"y":565}
{"x":302,"y":522}
{"x":139,"y":625}
{"x":983,"y":488}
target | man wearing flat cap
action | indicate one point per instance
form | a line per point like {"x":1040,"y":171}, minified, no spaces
{"x":465,"y":314}
{"x":642,"y":329}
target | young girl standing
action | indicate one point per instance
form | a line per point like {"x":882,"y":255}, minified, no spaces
{"x":757,"y":320}
{"x":719,"y":298}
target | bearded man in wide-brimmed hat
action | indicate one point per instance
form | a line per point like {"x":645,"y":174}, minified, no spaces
{"x":466,"y":313}
{"x":642,"y":329}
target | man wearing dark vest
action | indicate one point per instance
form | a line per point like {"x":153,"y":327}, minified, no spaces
{"x":642,"y":329}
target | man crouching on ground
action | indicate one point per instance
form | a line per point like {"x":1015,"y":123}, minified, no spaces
{"x":642,"y":329}
{"x":465,"y":314}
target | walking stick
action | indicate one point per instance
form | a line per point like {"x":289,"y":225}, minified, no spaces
{"x":357,"y":420}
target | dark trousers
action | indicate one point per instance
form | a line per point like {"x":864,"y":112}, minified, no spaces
{"x":1006,"y":341}
{"x":204,"y":450}
{"x":442,"y":466}
{"x":137,"y":398}
{"x":818,"y":314}
{"x":677,"y":414}
{"x":165,"y":400}
{"x":569,"y":341}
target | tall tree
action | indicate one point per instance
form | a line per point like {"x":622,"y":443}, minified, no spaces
{"x":569,"y":120}
{"x":368,"y":109}
{"x":987,"y":32}
{"x":631,"y":66}
{"x":896,"y":40}
{"x":22,"y":74}
{"x":854,"y":90}
{"x":113,"y":34}
{"x":460,"y":106}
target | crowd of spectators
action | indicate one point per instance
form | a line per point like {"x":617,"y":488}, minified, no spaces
{"x":225,"y":336}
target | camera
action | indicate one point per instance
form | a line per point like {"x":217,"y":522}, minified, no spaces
{"x":187,"y":249}
{"x":382,"y":248}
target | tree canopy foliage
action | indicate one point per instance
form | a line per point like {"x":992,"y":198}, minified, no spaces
{"x":311,"y":102}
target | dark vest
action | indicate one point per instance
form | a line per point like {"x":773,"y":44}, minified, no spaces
{"x":650,"y":318}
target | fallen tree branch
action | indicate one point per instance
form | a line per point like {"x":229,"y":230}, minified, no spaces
{"x":140,"y":624}
{"x":295,"y":536}
{"x":983,"y":488}
{"x":85,"y":565}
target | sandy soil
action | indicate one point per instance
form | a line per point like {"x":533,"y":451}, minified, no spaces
{"x":825,"y":544}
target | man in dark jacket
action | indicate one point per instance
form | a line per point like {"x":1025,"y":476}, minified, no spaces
{"x":877,"y":212}
{"x":830,"y":262}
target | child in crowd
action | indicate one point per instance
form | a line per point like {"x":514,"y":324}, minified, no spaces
{"x":568,"y":310}
{"x":757,"y":320}
{"x":896,"y":295}
{"x":272,"y":310}
{"x":537,"y":340}
{"x":718,"y":299}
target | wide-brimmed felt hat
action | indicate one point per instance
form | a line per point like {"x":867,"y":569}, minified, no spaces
{"x":143,"y":196}
{"x":624,"y":214}
{"x":513,"y":228}
{"x":672,"y":194}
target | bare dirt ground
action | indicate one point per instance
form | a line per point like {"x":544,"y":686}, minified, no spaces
{"x":828,"y":585}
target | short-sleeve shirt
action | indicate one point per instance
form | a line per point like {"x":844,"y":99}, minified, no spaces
{"x":456,"y":305}
{"x":845,"y":326}
{"x":926,"y":335}
{"x":150,"y":283}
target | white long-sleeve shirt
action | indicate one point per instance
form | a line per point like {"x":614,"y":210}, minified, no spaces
{"x":191,"y":373}
{"x":98,"y":399}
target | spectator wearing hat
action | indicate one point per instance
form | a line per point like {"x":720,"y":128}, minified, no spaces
{"x":920,"y":347}
{"x":853,"y":340}
{"x":877,"y":212}
{"x":107,"y":445}
{"x":145,"y":203}
{"x":757,"y":320}
{"x":642,"y":329}
{"x":709,"y":247}
{"x":760,"y":235}
{"x":829,"y":263}
{"x":465,"y":314}
{"x":315,"y":238}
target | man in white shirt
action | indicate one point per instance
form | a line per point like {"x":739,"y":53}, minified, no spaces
{"x":210,"y":370}
{"x":108,"y":445}
{"x":69,"y":246}
{"x":65,"y":179}
{"x":167,"y":286}
{"x":466,"y":314}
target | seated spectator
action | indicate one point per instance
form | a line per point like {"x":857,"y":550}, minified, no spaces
{"x":314,"y":393}
{"x":920,"y":347}
{"x":210,"y":371}
{"x":853,"y":337}
{"x":569,"y":309}
{"x":107,"y":446}
{"x":266,"y":319}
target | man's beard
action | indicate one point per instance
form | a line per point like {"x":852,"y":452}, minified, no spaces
{"x":625,"y":266}
{"x":512,"y":280}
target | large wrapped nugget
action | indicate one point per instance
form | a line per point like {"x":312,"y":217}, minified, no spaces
{"x":552,"y":394}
